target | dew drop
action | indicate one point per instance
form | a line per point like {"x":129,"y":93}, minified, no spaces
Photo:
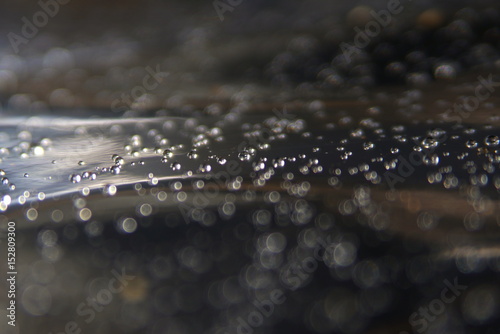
{"x":471,"y":143}
{"x":175,"y":166}
{"x":110,"y":190}
{"x":168,"y":154}
{"x":115,"y":170}
{"x":75,"y":178}
{"x":429,"y":142}
{"x":394,"y":150}
{"x":491,"y":140}
{"x":193,"y":154}
{"x":432,"y":160}
{"x":205,"y":168}
{"x":368,"y":146}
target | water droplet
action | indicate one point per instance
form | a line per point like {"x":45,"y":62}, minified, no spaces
{"x":109,"y":190}
{"x":368,"y":146}
{"x":168,"y":154}
{"x":429,"y":142}
{"x":471,"y":143}
{"x":115,"y":170}
{"x":244,"y":156}
{"x":431,"y":160}
{"x":175,"y":166}
{"x":491,"y":141}
{"x":193,"y":154}
{"x":118,"y":160}
{"x":38,"y":151}
{"x":145,"y":209}
{"x":128,"y":225}
{"x":205,"y":168}
{"x":445,"y":71}
{"x":75,"y":178}
{"x":85,"y":214}
{"x":357,"y":133}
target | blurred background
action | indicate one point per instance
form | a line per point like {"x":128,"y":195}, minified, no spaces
{"x":251,"y":166}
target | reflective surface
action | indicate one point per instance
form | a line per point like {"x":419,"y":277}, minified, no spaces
{"x":239,"y":177}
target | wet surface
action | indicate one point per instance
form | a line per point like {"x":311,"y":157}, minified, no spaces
{"x":245,"y":182}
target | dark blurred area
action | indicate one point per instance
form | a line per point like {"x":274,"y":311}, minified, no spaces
{"x":225,"y":166}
